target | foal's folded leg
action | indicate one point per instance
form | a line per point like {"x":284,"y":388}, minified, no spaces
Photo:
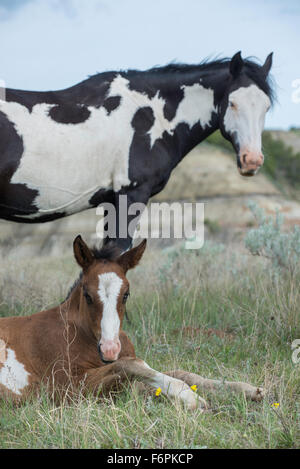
{"x":101,"y":381}
{"x":171,"y":387}
{"x":251,"y":392}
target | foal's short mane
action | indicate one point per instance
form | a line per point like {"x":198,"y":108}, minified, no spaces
{"x":109,"y":253}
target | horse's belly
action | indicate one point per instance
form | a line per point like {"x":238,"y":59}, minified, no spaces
{"x":65,"y":180}
{"x":66,"y":163}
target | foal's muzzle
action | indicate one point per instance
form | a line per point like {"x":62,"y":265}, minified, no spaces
{"x":109,"y":350}
{"x":101,"y":356}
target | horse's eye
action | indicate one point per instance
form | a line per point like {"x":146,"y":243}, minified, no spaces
{"x":88,"y":298}
{"x":232,"y":105}
{"x":125,"y":297}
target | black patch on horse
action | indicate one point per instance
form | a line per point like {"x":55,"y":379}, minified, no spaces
{"x":13,"y":197}
{"x":112,"y":103}
{"x":143,"y":120}
{"x":70,"y":113}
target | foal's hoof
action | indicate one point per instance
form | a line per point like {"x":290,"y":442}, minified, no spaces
{"x":192,"y":401}
{"x":256,"y":394}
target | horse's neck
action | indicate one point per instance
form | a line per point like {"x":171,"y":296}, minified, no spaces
{"x":191,"y":106}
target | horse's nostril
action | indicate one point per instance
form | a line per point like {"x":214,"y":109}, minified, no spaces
{"x":244,"y":158}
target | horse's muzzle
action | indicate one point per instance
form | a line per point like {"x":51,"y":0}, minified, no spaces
{"x":249,"y":162}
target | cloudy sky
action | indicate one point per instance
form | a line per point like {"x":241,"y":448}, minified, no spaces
{"x":52,"y":44}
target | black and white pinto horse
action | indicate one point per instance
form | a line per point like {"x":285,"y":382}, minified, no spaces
{"x":63,"y":152}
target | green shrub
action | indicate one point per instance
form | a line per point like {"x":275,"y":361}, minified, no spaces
{"x":268,"y":240}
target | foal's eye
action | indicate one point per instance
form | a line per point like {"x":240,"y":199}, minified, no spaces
{"x":88,"y":298}
{"x":232,"y":105}
{"x":125,"y":297}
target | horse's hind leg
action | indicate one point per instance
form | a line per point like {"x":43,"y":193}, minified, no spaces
{"x":251,"y":392}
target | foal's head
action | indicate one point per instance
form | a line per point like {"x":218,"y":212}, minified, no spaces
{"x":104,"y":290}
{"x":243,"y":108}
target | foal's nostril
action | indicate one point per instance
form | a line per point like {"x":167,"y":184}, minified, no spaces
{"x":244,"y":158}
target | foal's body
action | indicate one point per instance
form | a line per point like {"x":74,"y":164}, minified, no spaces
{"x":80,"y":345}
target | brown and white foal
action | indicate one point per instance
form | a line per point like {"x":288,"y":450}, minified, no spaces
{"x":80,"y":344}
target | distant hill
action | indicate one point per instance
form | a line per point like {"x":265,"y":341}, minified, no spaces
{"x":209,"y":171}
{"x":290,"y":138}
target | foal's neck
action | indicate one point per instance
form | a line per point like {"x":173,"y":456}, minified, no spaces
{"x":73,"y":310}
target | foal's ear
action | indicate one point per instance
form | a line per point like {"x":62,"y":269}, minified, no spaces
{"x":131,"y":258}
{"x":267,"y":65}
{"x":236,"y":65}
{"x":82,"y":253}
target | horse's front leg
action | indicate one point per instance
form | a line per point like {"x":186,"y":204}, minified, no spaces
{"x":251,"y":392}
{"x":122,"y":222}
{"x":170,"y":386}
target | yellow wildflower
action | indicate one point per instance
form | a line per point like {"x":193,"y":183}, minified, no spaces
{"x":194,"y":388}
{"x":158,"y":392}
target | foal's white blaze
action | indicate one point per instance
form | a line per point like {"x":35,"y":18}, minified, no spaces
{"x":12,"y":373}
{"x":109,"y":289}
{"x":246,"y":117}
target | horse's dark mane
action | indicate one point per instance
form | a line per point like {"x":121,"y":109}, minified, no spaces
{"x":110,"y":252}
{"x":252,"y":69}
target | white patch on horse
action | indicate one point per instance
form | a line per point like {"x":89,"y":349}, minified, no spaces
{"x":68,"y":163}
{"x":2,"y":351}
{"x":247,"y":117}
{"x":196,"y":106}
{"x":109,"y":289}
{"x":13,"y":374}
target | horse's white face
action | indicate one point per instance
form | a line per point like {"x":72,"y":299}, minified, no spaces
{"x":244,"y":122}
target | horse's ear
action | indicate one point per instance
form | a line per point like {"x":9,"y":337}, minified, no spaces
{"x":236,"y":65}
{"x":82,"y":253}
{"x":131,"y":258}
{"x":267,"y":65}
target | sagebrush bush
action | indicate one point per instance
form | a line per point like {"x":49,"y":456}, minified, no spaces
{"x":270,"y":241}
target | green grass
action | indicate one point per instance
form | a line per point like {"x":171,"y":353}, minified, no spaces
{"x":227,"y":291}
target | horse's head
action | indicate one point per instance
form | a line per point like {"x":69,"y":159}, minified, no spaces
{"x":104,"y":292}
{"x":243,"y":109}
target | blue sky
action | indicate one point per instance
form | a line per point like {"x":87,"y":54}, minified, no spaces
{"x":52,"y":44}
